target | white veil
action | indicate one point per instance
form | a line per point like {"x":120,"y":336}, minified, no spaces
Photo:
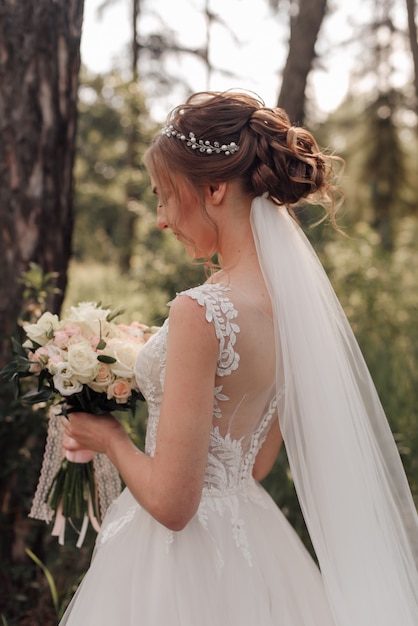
{"x":347,"y":471}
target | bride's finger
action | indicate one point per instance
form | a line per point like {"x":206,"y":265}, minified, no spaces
{"x":65,"y":423}
{"x":69,"y":443}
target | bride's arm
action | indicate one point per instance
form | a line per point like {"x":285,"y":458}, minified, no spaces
{"x":169,"y":485}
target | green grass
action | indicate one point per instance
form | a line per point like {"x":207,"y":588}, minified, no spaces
{"x":90,"y":281}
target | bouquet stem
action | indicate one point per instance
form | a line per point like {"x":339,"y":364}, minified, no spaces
{"x":73,"y":496}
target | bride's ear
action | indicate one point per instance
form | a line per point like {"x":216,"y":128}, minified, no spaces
{"x":215,"y":192}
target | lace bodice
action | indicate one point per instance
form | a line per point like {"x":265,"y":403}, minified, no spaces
{"x":237,"y":435}
{"x":244,"y":402}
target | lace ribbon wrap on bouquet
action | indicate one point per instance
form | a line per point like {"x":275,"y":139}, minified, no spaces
{"x":107,"y":482}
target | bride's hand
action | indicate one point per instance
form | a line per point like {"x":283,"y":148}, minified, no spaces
{"x":92,"y":432}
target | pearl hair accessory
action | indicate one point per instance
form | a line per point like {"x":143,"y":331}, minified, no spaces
{"x":199,"y":144}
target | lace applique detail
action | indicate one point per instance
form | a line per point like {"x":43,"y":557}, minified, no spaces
{"x":260,"y":435}
{"x":155,"y":350}
{"x":169,"y":537}
{"x":112,"y":528}
{"x":226,"y":504}
{"x":219,"y":311}
{"x":150,"y":373}
{"x":228,"y":468}
{"x":229,"y":480}
{"x":219,"y":396}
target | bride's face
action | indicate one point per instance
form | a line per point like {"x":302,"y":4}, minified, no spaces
{"x":181,"y":212}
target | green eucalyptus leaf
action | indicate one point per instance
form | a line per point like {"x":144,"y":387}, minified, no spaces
{"x":113,"y":314}
{"x":33,"y":397}
{"x":103,"y":358}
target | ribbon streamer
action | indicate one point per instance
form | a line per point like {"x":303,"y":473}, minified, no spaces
{"x":107,"y":480}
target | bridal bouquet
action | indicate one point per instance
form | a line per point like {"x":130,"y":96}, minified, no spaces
{"x":83,"y":362}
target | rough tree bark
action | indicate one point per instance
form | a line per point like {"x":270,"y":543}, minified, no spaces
{"x":304,"y":29}
{"x":39,"y":68}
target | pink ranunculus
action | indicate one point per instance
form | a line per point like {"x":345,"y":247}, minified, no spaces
{"x":39,"y":358}
{"x":135,"y":330}
{"x":94,"y":341}
{"x":41,"y":354}
{"x":72,"y":329}
{"x":35,"y":367}
{"x":55,"y":358}
{"x":61,"y":338}
{"x":74,"y":339}
{"x":120,"y":390}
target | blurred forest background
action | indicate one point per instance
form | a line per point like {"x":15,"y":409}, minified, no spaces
{"x":77,"y":219}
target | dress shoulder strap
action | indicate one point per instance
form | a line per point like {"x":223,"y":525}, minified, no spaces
{"x":219,"y":311}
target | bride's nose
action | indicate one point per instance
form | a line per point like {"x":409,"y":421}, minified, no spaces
{"x":161,"y":219}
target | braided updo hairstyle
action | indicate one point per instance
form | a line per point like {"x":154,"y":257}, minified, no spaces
{"x":273,"y":157}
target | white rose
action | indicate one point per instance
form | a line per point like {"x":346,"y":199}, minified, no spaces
{"x":66,"y":386}
{"x":125,"y":353}
{"x":43,"y":330}
{"x":90,"y":315}
{"x":82,"y":359}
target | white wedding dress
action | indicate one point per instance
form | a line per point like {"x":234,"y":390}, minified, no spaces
{"x":238,"y":562}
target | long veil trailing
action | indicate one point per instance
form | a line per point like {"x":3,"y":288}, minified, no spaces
{"x":347,"y":471}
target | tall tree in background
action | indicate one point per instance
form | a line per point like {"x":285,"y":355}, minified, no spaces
{"x":129,"y":216}
{"x":413,"y":40}
{"x":384,"y":165}
{"x":305,"y":23}
{"x":39,"y":66}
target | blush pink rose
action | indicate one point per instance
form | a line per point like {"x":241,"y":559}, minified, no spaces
{"x":120,"y":390}
{"x":103,"y":379}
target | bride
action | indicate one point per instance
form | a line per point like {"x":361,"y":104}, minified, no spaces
{"x":259,"y":354}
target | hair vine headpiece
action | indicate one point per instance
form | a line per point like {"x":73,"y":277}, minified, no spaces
{"x":200,"y":144}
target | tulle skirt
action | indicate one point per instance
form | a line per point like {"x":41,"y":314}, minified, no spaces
{"x":237,"y":563}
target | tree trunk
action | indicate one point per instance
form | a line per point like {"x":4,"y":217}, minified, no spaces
{"x":39,"y":67}
{"x":413,"y":39}
{"x":304,"y":29}
{"x":129,"y":217}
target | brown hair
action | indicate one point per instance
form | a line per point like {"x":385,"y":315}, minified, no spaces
{"x":274,"y":156}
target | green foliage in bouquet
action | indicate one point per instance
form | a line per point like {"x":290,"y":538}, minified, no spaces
{"x":83,"y":362}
